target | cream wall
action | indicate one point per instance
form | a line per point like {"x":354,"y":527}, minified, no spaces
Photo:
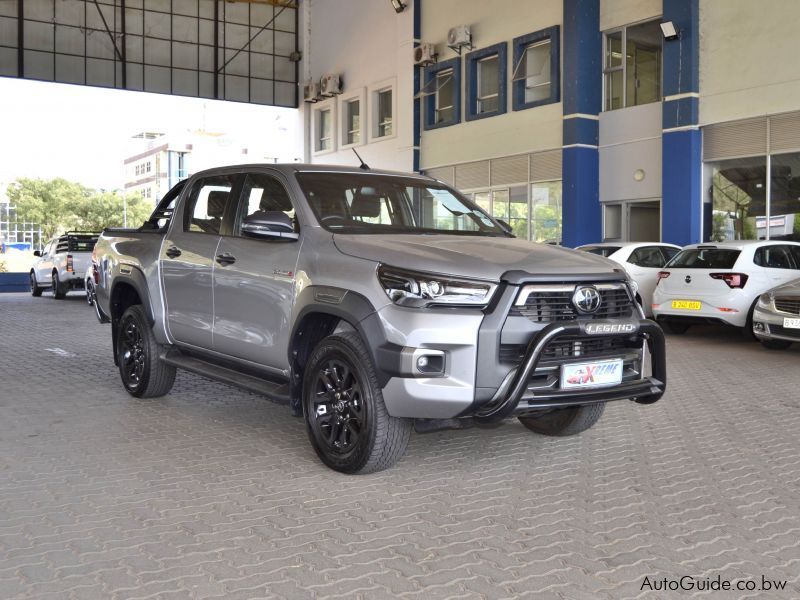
{"x":615,"y":13}
{"x":748,"y":58}
{"x":370,"y":46}
{"x":514,"y":132}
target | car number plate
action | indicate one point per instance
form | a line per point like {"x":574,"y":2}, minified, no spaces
{"x":687,"y":304}
{"x":791,"y":323}
{"x":583,"y":375}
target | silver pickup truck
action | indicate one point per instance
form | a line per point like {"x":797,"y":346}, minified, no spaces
{"x":372,"y":303}
{"x":63,"y":263}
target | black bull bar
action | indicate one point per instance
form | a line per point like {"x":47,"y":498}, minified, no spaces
{"x":644,"y":391}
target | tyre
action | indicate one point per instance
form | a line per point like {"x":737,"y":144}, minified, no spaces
{"x":565,"y":421}
{"x":89,"y":292}
{"x":36,"y":291}
{"x":675,"y":327}
{"x":143,"y":373}
{"x":775,"y":344}
{"x":59,"y":291}
{"x":346,"y":418}
{"x":747,"y":330}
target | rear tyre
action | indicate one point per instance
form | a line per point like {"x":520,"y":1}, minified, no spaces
{"x":36,"y":291}
{"x":89,"y":292}
{"x":59,"y":290}
{"x":676,"y":327}
{"x":143,"y":373}
{"x":775,"y":344}
{"x":346,"y":418}
{"x":565,"y":421}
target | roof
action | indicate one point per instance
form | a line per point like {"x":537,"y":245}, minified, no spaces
{"x":741,"y":244}
{"x":627,"y":244}
{"x":287,"y":168}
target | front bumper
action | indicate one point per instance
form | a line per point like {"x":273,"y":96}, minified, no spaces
{"x":772,"y":325}
{"x":515,"y":398}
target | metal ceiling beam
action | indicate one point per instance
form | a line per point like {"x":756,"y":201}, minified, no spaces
{"x":281,"y":3}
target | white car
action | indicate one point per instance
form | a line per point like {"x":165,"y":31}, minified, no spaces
{"x":721,"y":282}
{"x":641,"y":260}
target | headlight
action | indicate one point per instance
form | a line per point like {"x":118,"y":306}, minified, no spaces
{"x":634,"y":286}
{"x":409,"y":288}
{"x":765,"y":300}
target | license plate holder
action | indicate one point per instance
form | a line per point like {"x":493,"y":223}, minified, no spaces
{"x":600,"y":373}
{"x":687,"y":304}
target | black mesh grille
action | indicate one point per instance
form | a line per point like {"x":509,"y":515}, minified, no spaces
{"x":548,"y":306}
{"x":566,"y":348}
{"x":788,"y":305}
{"x":785,"y":331}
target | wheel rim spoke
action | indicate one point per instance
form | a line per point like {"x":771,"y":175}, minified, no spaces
{"x":336,"y":405}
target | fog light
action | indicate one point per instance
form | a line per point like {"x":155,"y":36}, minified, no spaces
{"x":759,"y":327}
{"x":422,"y":362}
{"x":430,"y":364}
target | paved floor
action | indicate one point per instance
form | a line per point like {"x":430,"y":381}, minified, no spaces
{"x":212,"y":492}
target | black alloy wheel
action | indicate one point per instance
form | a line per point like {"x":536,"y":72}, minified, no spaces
{"x":339,"y":408}
{"x":90,"y":293}
{"x":131,"y":353}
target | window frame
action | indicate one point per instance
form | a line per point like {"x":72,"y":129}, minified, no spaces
{"x":319,"y":108}
{"x":390,"y":121}
{"x":623,"y":68}
{"x":520,"y":45}
{"x":472,"y":80}
{"x":431,"y":73}
{"x":190,"y":202}
{"x":359,"y":96}
{"x":242,"y":205}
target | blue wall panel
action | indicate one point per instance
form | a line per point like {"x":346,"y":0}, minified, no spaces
{"x":582,"y":222}
{"x":681,"y":203}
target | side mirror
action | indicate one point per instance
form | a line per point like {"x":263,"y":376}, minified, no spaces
{"x":505,"y":226}
{"x":269,"y":225}
{"x":37,"y":253}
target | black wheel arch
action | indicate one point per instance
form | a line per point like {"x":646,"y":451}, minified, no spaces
{"x":126,"y":290}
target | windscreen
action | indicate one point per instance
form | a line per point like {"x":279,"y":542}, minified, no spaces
{"x":371,"y":203}
{"x":704,"y":258}
{"x":605,"y":251}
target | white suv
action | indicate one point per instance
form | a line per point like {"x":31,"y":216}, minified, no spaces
{"x":721,"y":282}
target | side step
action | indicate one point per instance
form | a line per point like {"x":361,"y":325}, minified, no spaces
{"x":274,"y":391}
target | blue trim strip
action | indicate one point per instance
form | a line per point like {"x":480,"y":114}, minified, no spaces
{"x":471,"y":68}
{"x":681,"y":205}
{"x":430,"y":100}
{"x":680,"y":113}
{"x":518,"y":87}
{"x":578,"y":130}
{"x":417,"y":7}
{"x":681,"y":56}
{"x":582,"y":57}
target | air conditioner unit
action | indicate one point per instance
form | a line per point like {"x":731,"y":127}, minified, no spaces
{"x":459,"y":37}
{"x":424,"y":54}
{"x":330,"y":85}
{"x":311,"y":91}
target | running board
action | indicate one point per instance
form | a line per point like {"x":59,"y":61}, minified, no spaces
{"x":274,"y":391}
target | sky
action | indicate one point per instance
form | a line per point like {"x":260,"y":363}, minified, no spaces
{"x":83,"y":133}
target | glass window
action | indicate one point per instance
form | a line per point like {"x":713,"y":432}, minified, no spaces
{"x":613,"y":222}
{"x":353,"y":116}
{"x":738,"y":197}
{"x":784,"y":206}
{"x":633,"y":76}
{"x":537,"y":71}
{"x":704,"y":258}
{"x":518,"y":212}
{"x":604,"y":251}
{"x":263,"y":194}
{"x":776,"y":257}
{"x":668,"y":253}
{"x":445,"y":96}
{"x":384,"y":111}
{"x":205,"y":208}
{"x":488,"y":84}
{"x":500,"y":204}
{"x":546,"y":211}
{"x":484,"y":200}
{"x":324,"y":137}
{"x":649,"y":256}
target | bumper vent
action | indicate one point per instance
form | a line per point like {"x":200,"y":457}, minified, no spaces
{"x":568,"y":348}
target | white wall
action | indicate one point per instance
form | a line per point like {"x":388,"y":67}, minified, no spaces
{"x":369,"y":46}
{"x":514,"y":132}
{"x":748,"y":58}
{"x":616,"y":13}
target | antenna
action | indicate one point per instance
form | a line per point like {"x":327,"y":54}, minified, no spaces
{"x":363,"y":165}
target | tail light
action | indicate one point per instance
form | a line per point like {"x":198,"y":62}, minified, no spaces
{"x":734,"y":280}
{"x":70,"y":264}
{"x":662,"y":275}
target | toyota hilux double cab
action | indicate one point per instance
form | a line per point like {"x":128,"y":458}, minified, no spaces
{"x":372,"y":303}
{"x":61,"y":266}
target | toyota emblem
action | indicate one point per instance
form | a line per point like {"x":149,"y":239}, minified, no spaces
{"x":586,"y":299}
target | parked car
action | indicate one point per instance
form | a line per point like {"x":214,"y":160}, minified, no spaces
{"x":641,"y":260}
{"x":721,"y":282}
{"x":372,"y":303}
{"x":776,"y":319}
{"x":62,"y":265}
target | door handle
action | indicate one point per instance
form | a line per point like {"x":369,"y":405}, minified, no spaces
{"x":226,"y":259}
{"x":173,"y":252}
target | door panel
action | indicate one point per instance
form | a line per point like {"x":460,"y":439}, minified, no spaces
{"x":253,"y":295}
{"x":187,"y":260}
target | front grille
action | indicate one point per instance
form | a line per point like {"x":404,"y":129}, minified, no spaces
{"x":788,"y":305}
{"x":567,"y":348}
{"x":545,"y":304}
{"x":785,"y":331}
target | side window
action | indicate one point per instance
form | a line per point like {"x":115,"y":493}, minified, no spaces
{"x":776,"y":257}
{"x":205,"y":207}
{"x":266,"y":207}
{"x":668,"y":253}
{"x":795,"y":252}
{"x":649,"y":256}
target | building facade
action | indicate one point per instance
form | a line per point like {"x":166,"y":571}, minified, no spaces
{"x":576,"y":120}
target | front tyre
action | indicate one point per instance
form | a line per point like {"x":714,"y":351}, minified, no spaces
{"x":346,"y":418}
{"x":90,"y":292}
{"x":565,"y":421}
{"x":775,"y":344}
{"x":143,"y":373}
{"x":59,"y":290}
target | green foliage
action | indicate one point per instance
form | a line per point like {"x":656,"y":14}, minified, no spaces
{"x":797,"y":223}
{"x":59,"y":205}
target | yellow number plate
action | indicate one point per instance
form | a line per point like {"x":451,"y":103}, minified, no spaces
{"x":687,"y":304}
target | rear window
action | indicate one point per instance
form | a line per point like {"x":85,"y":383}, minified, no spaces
{"x":600,"y":250}
{"x":76,"y":243}
{"x":704,"y":258}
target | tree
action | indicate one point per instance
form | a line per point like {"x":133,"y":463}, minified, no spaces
{"x":50,"y":203}
{"x":107,"y":209}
